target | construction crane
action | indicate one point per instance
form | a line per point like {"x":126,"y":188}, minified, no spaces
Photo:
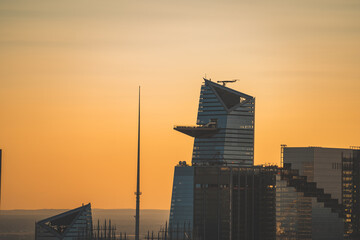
{"x":224,"y":82}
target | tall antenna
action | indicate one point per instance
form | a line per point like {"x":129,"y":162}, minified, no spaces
{"x":138,"y":193}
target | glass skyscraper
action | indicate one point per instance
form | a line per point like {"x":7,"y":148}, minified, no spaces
{"x":314,"y":195}
{"x":181,"y":210}
{"x":224,"y":134}
{"x":234,"y":203}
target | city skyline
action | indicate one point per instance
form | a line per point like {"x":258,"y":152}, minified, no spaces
{"x":68,"y":89}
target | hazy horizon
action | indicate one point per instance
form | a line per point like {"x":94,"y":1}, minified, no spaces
{"x":142,"y":209}
{"x":19,"y":224}
{"x":70,"y":71}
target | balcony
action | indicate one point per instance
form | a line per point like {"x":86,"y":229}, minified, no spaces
{"x":199,"y":131}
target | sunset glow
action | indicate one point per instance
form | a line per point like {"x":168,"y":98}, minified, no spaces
{"x":70,"y":71}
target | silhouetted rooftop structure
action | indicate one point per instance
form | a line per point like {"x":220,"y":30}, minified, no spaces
{"x":73,"y":224}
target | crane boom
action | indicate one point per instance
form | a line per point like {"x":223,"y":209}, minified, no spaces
{"x":224,"y":82}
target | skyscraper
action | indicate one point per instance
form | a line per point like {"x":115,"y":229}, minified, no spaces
{"x":315,"y":195}
{"x":181,"y":211}
{"x":234,"y":203}
{"x":224,"y":134}
{"x":263,"y":202}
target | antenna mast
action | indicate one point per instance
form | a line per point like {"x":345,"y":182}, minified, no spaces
{"x":138,"y":193}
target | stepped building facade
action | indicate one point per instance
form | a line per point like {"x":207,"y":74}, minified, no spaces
{"x":335,"y":172}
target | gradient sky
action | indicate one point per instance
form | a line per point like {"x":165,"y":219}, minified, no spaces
{"x":69,"y":73}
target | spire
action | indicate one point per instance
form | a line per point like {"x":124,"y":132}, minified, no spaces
{"x":138,"y":193}
{"x":229,"y":97}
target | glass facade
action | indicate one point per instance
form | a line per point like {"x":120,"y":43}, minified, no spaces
{"x":70,"y":225}
{"x":181,"y":210}
{"x":320,"y":165}
{"x":334,"y":172}
{"x":304,"y":211}
{"x":233,"y":144}
{"x":350,"y":193}
{"x":234,"y":203}
{"x":224,"y":134}
{"x":265,"y":203}
{"x":293,"y":212}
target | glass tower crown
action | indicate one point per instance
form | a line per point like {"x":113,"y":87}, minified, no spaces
{"x":224,"y":134}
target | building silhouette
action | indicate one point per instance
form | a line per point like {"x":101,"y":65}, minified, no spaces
{"x":314,"y":194}
{"x":234,"y":203}
{"x":181,"y":210}
{"x":267,"y":202}
{"x":224,"y":134}
{"x":71,"y":225}
{"x":335,"y":171}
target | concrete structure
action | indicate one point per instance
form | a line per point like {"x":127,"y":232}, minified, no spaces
{"x":224,"y":134}
{"x":75,"y":224}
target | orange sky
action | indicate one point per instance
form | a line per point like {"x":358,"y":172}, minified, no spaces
{"x":69,"y":72}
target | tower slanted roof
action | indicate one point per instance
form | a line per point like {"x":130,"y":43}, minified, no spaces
{"x":229,"y":97}
{"x":61,"y":222}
